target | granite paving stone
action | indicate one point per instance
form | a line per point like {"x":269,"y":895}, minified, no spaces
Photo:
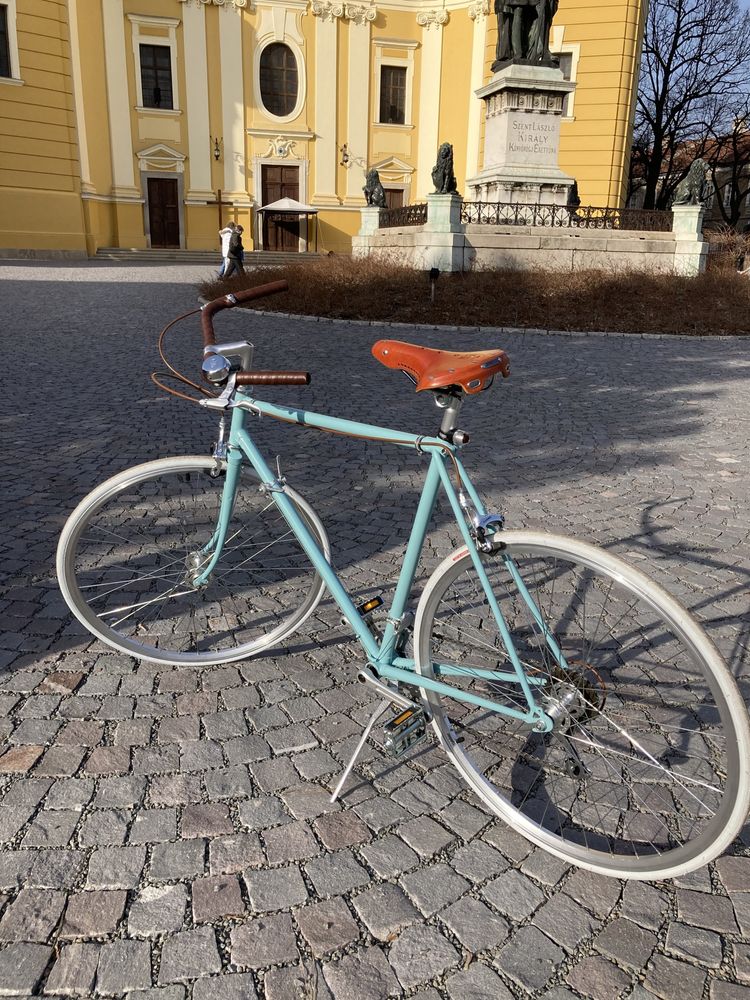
{"x":565,"y":922}
{"x":276,"y":889}
{"x":626,"y":942}
{"x":477,"y":983}
{"x":336,"y":873}
{"x":475,"y":925}
{"x":189,"y":955}
{"x":266,"y":940}
{"x":22,"y":967}
{"x":420,"y":954}
{"x":32,"y":916}
{"x":52,"y":828}
{"x":116,"y":867}
{"x":597,"y":978}
{"x":153,"y":826}
{"x":123,"y":966}
{"x":74,"y":971}
{"x":327,"y":926}
{"x":694,"y":944}
{"x":434,"y":887}
{"x":365,"y":972}
{"x":669,"y":978}
{"x":231,"y":986}
{"x":291,"y":842}
{"x":389,"y":856}
{"x":385,"y":910}
{"x":157,"y":909}
{"x":529,"y":957}
{"x":93,"y":914}
{"x":184,"y":859}
{"x":513,"y":895}
{"x":341,"y":829}
{"x":215,"y":897}
{"x":229,"y":855}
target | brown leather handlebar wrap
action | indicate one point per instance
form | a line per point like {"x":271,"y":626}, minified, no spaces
{"x":273,"y":378}
{"x":235,"y":299}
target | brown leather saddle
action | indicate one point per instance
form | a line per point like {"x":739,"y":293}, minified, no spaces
{"x":431,"y":369}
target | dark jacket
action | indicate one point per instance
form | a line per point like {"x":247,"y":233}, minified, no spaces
{"x":236,"y":248}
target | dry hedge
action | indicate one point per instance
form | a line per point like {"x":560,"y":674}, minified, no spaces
{"x":717,"y":302}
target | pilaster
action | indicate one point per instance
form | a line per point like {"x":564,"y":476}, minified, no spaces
{"x":196,"y":100}
{"x":233,"y":106}
{"x":326,"y":16}
{"x":432,"y":22}
{"x":118,"y":104}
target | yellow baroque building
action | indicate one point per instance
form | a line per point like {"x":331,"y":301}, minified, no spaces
{"x":143,"y":123}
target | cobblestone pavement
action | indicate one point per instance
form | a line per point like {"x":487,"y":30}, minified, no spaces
{"x":163,"y":839}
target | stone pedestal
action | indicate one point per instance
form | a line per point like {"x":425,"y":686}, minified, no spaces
{"x":369,"y":222}
{"x":523,"y":107}
{"x":690,"y":253}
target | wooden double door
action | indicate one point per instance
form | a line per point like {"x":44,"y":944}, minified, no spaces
{"x":163,"y":211}
{"x":280,"y":231}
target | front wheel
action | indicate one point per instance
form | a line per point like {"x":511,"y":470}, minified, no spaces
{"x":130,"y":550}
{"x":645,"y":773}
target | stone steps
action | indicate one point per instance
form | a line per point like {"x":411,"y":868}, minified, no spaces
{"x":253,"y":258}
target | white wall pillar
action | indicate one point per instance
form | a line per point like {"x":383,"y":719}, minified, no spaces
{"x":196,"y":103}
{"x":75,"y":57}
{"x":232,"y":105}
{"x":478,"y":12}
{"x":358,"y":114}
{"x":118,"y":101}
{"x":326,"y":93}
{"x":432,"y":22}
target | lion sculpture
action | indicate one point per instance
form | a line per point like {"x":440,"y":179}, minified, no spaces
{"x":693,"y":188}
{"x":373,"y":189}
{"x":442,"y":173}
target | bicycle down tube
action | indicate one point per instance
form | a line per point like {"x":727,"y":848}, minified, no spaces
{"x":383,"y":656}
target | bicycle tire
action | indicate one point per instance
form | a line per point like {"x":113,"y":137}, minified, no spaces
{"x":654,"y":789}
{"x":145,"y":504}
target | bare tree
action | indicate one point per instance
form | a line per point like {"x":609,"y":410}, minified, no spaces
{"x":728,"y":155}
{"x":695,"y":54}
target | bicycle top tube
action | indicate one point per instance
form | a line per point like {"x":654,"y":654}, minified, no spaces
{"x":340,"y":425}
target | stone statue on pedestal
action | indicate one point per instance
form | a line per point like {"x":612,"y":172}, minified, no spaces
{"x":443,"y":176}
{"x":373,"y":189}
{"x":523,"y":28}
{"x":694,"y":188}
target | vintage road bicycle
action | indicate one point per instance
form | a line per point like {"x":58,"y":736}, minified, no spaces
{"x":578,"y":700}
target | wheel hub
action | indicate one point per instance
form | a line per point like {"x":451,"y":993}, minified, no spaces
{"x":573,"y":695}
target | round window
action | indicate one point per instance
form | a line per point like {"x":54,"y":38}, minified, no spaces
{"x":279,"y":85}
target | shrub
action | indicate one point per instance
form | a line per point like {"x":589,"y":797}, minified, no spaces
{"x":717,"y":302}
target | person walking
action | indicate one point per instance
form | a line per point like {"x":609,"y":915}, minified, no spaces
{"x":225,"y":235}
{"x":235,"y":253}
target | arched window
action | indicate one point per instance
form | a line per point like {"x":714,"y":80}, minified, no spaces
{"x":279,"y":85}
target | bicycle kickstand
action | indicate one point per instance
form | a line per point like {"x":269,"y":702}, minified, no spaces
{"x":379,"y":709}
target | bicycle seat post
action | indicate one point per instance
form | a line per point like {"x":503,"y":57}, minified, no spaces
{"x":451,"y":406}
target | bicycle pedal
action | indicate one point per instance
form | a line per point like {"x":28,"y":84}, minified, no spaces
{"x":367,"y":608}
{"x":401,"y":733}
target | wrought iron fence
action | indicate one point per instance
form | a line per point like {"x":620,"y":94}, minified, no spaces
{"x":562,"y":216}
{"x":407,"y":215}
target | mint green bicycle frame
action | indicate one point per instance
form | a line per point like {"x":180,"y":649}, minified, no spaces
{"x":383,"y":656}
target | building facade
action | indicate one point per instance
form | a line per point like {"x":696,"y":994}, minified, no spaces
{"x":143,"y":123}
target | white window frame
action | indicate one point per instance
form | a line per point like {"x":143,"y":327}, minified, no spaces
{"x":301,"y":79}
{"x":406,"y":61}
{"x":558,"y":48}
{"x":15,"y":66}
{"x":140,"y":37}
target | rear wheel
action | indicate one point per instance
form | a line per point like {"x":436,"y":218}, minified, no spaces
{"x":645,"y":773}
{"x":130,"y":549}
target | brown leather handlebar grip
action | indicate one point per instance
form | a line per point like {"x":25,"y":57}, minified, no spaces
{"x":235,"y":299}
{"x":273,"y":378}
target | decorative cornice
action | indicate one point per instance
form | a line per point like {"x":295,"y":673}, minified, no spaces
{"x":328,"y":10}
{"x":432,"y":18}
{"x":226,"y":4}
{"x":479,"y":10}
